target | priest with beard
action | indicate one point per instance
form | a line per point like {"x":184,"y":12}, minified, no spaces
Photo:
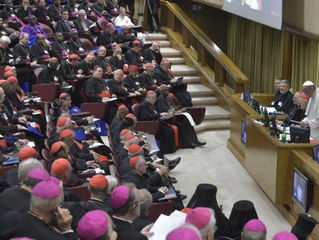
{"x":187,"y":135}
{"x":146,"y":112}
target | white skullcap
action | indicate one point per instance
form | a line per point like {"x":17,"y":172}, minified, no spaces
{"x":308,"y":84}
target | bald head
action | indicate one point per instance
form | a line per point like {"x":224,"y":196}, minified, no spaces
{"x":118,"y":75}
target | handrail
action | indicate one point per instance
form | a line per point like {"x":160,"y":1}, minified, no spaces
{"x":209,"y":45}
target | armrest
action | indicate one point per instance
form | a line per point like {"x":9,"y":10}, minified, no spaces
{"x":150,"y":127}
{"x":97,"y":109}
{"x":47,"y":91}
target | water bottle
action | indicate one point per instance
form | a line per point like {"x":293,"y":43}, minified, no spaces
{"x":283,"y":136}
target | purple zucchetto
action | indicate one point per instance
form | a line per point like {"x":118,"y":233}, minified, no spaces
{"x":255,"y":225}
{"x":92,"y":225}
{"x":46,"y":190}
{"x":284,"y":236}
{"x":39,"y":173}
{"x":200,"y":217}
{"x":183,"y":233}
{"x":119,"y":196}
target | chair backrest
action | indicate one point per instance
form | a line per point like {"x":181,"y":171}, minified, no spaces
{"x":157,"y":209}
{"x":47,"y":91}
{"x":82,"y":192}
{"x":4,"y":170}
{"x":88,"y":45}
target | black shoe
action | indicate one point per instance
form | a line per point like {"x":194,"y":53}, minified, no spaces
{"x":172,"y":180}
{"x":198,"y":144}
{"x":173,"y":163}
{"x":193,"y":145}
{"x":182,"y":196}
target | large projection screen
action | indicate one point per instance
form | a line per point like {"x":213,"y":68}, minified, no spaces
{"x":267,"y":12}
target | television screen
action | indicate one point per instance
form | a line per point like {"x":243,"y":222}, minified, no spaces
{"x":243,"y":131}
{"x":302,"y":190}
{"x":315,"y":153}
{"x":267,"y":12}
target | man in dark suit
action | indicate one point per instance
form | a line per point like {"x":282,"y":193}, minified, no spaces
{"x":25,"y":10}
{"x":63,"y":25}
{"x":54,"y":10}
{"x":41,"y":11}
{"x":143,"y":220}
{"x":74,"y":45}
{"x":82,"y":24}
{"x":125,"y":203}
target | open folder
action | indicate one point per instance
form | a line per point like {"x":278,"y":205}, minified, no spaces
{"x":165,"y":224}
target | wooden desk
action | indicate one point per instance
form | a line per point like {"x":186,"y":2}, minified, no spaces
{"x":240,"y":110}
{"x":269,"y":161}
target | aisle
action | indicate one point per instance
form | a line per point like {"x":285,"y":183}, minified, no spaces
{"x":215,"y":164}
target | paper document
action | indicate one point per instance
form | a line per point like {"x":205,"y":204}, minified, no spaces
{"x":169,"y":195}
{"x":165,"y":224}
{"x":109,"y":100}
{"x":95,"y":145}
{"x":271,"y":110}
{"x":152,"y":142}
{"x":189,"y":117}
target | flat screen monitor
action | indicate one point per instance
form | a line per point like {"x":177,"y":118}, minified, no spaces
{"x":243,"y":131}
{"x":299,"y":135}
{"x":267,"y":12}
{"x":302,"y":190}
{"x":315,"y":153}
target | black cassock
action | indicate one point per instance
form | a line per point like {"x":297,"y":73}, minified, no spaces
{"x":150,"y":55}
{"x":141,"y":221}
{"x":48,"y":74}
{"x":130,"y":84}
{"x":14,"y":199}
{"x":147,"y":82}
{"x":146,"y":112}
{"x":85,"y":67}
{"x":179,"y":91}
{"x":187,"y":134}
{"x":15,"y":224}
{"x":116,"y":63}
{"x":144,"y":182}
{"x":132,"y":58}
{"x":74,"y":45}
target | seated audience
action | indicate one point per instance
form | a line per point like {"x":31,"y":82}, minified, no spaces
{"x":7,"y":11}
{"x":69,"y":68}
{"x":204,"y":220}
{"x":96,"y":224}
{"x":17,"y":198}
{"x":153,"y":54}
{"x":254,"y":229}
{"x":184,"y":232}
{"x":101,"y":60}
{"x":63,"y":25}
{"x":122,"y":19}
{"x":6,"y":56}
{"x":143,"y":220}
{"x":55,"y":10}
{"x":106,"y":37}
{"x":41,"y":12}
{"x":86,"y":65}
{"x":131,"y":82}
{"x":42,"y":49}
{"x":117,"y":61}
{"x":82,"y":24}
{"x":146,"y":112}
{"x":146,"y":79}
{"x":25,"y":10}
{"x":74,"y":45}
{"x":124,"y":200}
{"x":50,"y":74}
{"x":59,"y":49}
{"x":133,"y":56}
{"x":187,"y":135}
{"x":45,"y":197}
{"x":164,"y":76}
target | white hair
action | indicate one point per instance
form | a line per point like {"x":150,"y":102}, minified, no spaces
{"x":112,"y":182}
{"x":22,"y":35}
{"x":252,"y":235}
{"x":147,"y":200}
{"x":5,"y":39}
{"x":82,"y":12}
{"x":26,"y":166}
{"x":140,"y":161}
{"x":210,"y":225}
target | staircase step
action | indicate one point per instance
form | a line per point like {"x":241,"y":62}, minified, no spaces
{"x":198,"y":90}
{"x":176,"y":60}
{"x":183,"y":70}
{"x":163,"y":43}
{"x":156,"y":37}
{"x":170,"y":52}
{"x":200,"y":101}
{"x":212,"y":125}
{"x":190,"y":79}
{"x":216,"y":112}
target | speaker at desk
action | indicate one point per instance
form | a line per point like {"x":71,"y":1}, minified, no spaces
{"x":299,"y":135}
